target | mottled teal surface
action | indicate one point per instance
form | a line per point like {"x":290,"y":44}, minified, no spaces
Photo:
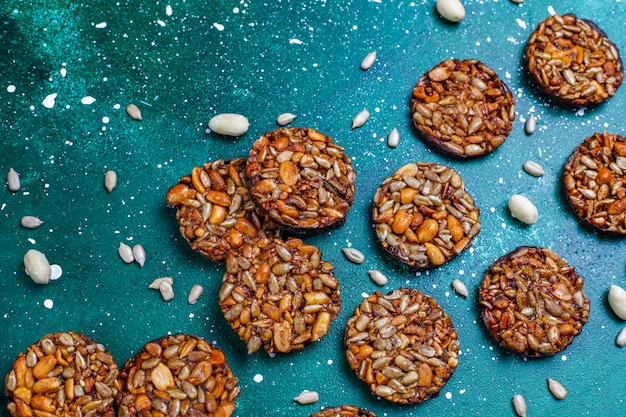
{"x":262,"y":59}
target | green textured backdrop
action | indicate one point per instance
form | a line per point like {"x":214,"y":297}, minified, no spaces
{"x":262,"y":59}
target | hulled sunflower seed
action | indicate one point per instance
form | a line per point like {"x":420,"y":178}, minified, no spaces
{"x":195,"y":293}
{"x":360,"y":119}
{"x":617,"y":301}
{"x":110,"y":180}
{"x":37,"y":266}
{"x":157,"y":282}
{"x":451,"y":10}
{"x":531,"y":125}
{"x":125,"y":252}
{"x":533,"y":168}
{"x":139,"y":254}
{"x":557,"y":389}
{"x":523,"y":209}
{"x":394,"y":138}
{"x":30,"y":222}
{"x":620,"y":340}
{"x":519,"y":403}
{"x":229,"y":124}
{"x":460,"y":287}
{"x":13,"y":180}
{"x":166,"y":290}
{"x":378,"y":277}
{"x":368,"y":61}
{"x":134,"y":112}
{"x":307,"y":397}
{"x":354,"y":255}
{"x":285,"y":119}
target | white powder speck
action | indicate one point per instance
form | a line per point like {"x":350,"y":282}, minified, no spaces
{"x":116,"y":106}
{"x":191,"y":315}
{"x":105,"y":120}
{"x":11,"y":89}
{"x":551,"y":10}
{"x":218,"y":26}
{"x":461,"y":272}
{"x":32,"y":241}
{"x":434,"y":286}
{"x":87,"y":100}
{"x":462,"y":391}
{"x":581,"y":112}
{"x":48,"y":102}
{"x":492,"y":209}
{"x":258,"y":378}
{"x":63,"y":72}
{"x":504,"y":225}
{"x":507,"y":75}
{"x":500,"y":180}
{"x":168,"y":10}
{"x":236,"y":10}
{"x":329,"y":362}
{"x":364,"y":295}
{"x":477,"y":43}
{"x":101,"y":25}
{"x":521,"y":23}
{"x":564,"y":358}
{"x":48,"y":303}
{"x":449,"y":395}
{"x":295,"y":41}
{"x":160,"y":23}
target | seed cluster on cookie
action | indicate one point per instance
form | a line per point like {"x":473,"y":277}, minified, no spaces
{"x":593,"y":180}
{"x":462,"y":108}
{"x":423,"y":215}
{"x":573,"y":61}
{"x":533,"y":302}
{"x":345,"y":410}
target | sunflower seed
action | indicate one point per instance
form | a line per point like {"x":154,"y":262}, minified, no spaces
{"x":285,"y":119}
{"x":157,"y":282}
{"x":533,"y":168}
{"x":451,"y":10}
{"x":110,"y":180}
{"x":517,"y":1}
{"x":30,"y":222}
{"x":617,"y":301}
{"x":460,"y":287}
{"x":166,"y":290}
{"x":621,"y":338}
{"x":531,"y":125}
{"x":13,"y":180}
{"x":125,"y":252}
{"x":360,"y":119}
{"x":368,"y":61}
{"x":354,"y":255}
{"x":195,"y":293}
{"x":37,"y":266}
{"x":394,"y":138}
{"x":139,"y":254}
{"x":229,"y":124}
{"x":378,"y":277}
{"x":307,"y":397}
{"x":523,"y":209}
{"x":134,"y":112}
{"x":520,"y":405}
{"x":557,"y":389}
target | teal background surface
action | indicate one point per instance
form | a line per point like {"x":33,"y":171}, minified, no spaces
{"x":261,"y":59}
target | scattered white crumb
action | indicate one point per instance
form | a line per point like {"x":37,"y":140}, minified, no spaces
{"x":160,"y":23}
{"x":48,"y":102}
{"x":101,"y":25}
{"x":168,"y":10}
{"x":218,"y":26}
{"x":295,"y":41}
{"x":11,"y":89}
{"x":449,"y":395}
{"x":258,"y":378}
{"x":63,"y":72}
{"x":48,"y":303}
{"x":87,"y":100}
{"x":521,"y":23}
{"x":105,"y":120}
{"x":551,"y":10}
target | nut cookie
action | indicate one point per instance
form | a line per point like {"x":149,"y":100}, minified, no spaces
{"x":179,"y":375}
{"x":423,"y":215}
{"x":533,"y":302}
{"x":301,"y":179}
{"x":279,"y":295}
{"x":345,"y":410}
{"x":573,"y":61}
{"x":64,"y":373}
{"x":402,"y":345}
{"x":462,"y":108}
{"x":593,"y":180}
{"x":215,"y":212}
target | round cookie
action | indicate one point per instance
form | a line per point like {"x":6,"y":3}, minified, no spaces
{"x":423,"y":215}
{"x":593,"y":180}
{"x":462,"y":108}
{"x":301,"y":179}
{"x":279,"y":295}
{"x":64,"y":373}
{"x":344,"y":411}
{"x":179,"y":374}
{"x":533,"y":302}
{"x":215,"y":212}
{"x":573,"y":61}
{"x":402,"y":345}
